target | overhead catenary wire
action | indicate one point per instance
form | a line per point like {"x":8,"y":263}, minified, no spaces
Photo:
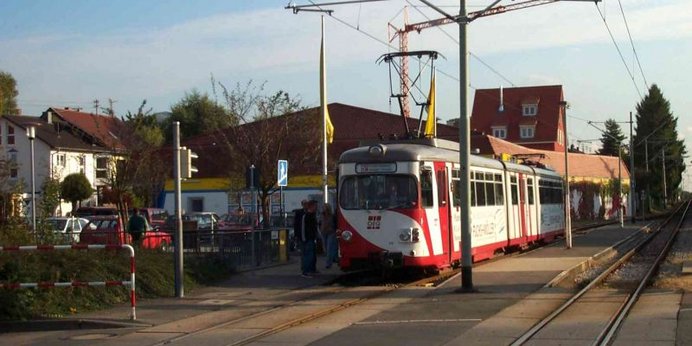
{"x":618,"y":50}
{"x":634,"y":50}
{"x":455,"y":40}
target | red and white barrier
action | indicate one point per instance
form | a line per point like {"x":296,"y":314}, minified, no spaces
{"x":130,"y":283}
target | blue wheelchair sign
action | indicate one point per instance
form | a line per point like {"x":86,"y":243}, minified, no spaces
{"x":282,"y":178}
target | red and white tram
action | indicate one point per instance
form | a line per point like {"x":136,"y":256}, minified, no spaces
{"x":398,"y":205}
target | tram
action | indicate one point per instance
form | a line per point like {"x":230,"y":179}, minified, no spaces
{"x":399,"y":205}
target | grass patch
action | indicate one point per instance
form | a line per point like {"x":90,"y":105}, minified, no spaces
{"x":154,"y":277}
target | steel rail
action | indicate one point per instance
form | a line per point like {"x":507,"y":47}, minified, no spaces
{"x":614,"y":324}
{"x":545,"y":321}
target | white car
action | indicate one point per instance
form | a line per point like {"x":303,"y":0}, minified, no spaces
{"x":71,"y":227}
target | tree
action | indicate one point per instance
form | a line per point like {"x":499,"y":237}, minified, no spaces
{"x":197,"y":114}
{"x":74,"y":188}
{"x":611,"y":139}
{"x":50,"y":197}
{"x":267,"y":129}
{"x":136,"y":176}
{"x":8,"y":94}
{"x":656,"y":139}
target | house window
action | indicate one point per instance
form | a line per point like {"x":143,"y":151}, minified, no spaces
{"x":500,"y":132}
{"x":529,"y":110}
{"x":12,"y":158}
{"x":60,"y":160}
{"x":10,"y":135}
{"x":526,"y":131}
{"x":102,"y":167}
{"x":80,"y":161}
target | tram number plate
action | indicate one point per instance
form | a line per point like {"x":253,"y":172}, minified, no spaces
{"x":374,"y":221}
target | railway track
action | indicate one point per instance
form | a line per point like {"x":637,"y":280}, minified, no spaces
{"x":298,"y":308}
{"x":595,"y":313}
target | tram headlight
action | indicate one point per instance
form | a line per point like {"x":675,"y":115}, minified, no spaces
{"x":346,"y":235}
{"x":409,"y":235}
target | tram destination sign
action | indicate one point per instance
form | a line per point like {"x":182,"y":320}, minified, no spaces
{"x":387,"y":167}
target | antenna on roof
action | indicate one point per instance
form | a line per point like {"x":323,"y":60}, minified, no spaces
{"x":96,"y":106}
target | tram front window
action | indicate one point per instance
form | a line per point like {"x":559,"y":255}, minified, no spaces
{"x":378,"y":192}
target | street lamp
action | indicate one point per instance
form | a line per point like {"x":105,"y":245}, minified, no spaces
{"x":31,"y":133}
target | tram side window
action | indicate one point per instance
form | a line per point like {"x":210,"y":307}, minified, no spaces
{"x":426,"y":188}
{"x":489,"y":193}
{"x":473,"y":193}
{"x":499,"y":194}
{"x":530,"y":188}
{"x":480,"y":194}
{"x":514,"y":190}
{"x":456,"y":188}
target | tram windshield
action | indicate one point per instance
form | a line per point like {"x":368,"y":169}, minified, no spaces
{"x":378,"y":191}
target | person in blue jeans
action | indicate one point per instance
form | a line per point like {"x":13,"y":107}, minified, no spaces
{"x":308,"y":236}
{"x":328,"y":231}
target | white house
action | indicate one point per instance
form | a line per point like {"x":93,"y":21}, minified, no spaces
{"x":60,"y":149}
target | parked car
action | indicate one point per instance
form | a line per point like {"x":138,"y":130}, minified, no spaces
{"x":93,"y":211}
{"x":205,"y":220}
{"x":69,"y":227}
{"x":109,"y":229}
{"x":156,"y":217}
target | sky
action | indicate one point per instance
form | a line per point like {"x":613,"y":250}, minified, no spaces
{"x":71,"y":52}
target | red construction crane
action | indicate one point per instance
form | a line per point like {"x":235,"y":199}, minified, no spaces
{"x":402,"y":34}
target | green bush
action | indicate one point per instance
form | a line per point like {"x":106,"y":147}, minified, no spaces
{"x":154,"y":277}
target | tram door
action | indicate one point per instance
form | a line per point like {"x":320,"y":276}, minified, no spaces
{"x":444,"y":210}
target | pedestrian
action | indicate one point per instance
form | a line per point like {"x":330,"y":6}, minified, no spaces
{"x":137,"y":226}
{"x":307,"y":236}
{"x":328,"y":230}
{"x":297,"y":222}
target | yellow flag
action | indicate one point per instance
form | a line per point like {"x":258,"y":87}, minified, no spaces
{"x":323,"y":95}
{"x":430,"y":124}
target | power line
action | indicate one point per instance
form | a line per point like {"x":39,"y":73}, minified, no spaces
{"x":618,"y":49}
{"x":634,"y":50}
{"x":457,"y":42}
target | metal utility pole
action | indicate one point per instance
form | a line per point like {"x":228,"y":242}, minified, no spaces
{"x":620,"y":213}
{"x":566,"y":191}
{"x":465,"y":156}
{"x":179,"y":272}
{"x":633,"y":190}
{"x":31,"y":133}
{"x":665,"y":188}
{"x":255,"y":211}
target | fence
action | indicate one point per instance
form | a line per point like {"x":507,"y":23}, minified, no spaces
{"x":130,"y":283}
{"x":271,"y":245}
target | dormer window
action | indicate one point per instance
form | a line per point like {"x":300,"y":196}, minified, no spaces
{"x":529,"y":109}
{"x":500,"y":132}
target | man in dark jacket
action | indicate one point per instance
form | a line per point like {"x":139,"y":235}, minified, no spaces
{"x":137,"y":226}
{"x":307,"y":234}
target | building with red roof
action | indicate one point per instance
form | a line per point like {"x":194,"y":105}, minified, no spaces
{"x":528,"y":116}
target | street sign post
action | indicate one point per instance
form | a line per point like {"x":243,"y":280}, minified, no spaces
{"x":282,"y":173}
{"x":282,"y":180}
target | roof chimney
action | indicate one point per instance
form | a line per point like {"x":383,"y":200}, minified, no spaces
{"x":502,"y":100}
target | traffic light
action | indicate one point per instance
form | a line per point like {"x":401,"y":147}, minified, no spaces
{"x":186,"y":167}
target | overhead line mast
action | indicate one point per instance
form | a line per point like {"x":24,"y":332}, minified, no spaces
{"x":402,"y":34}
